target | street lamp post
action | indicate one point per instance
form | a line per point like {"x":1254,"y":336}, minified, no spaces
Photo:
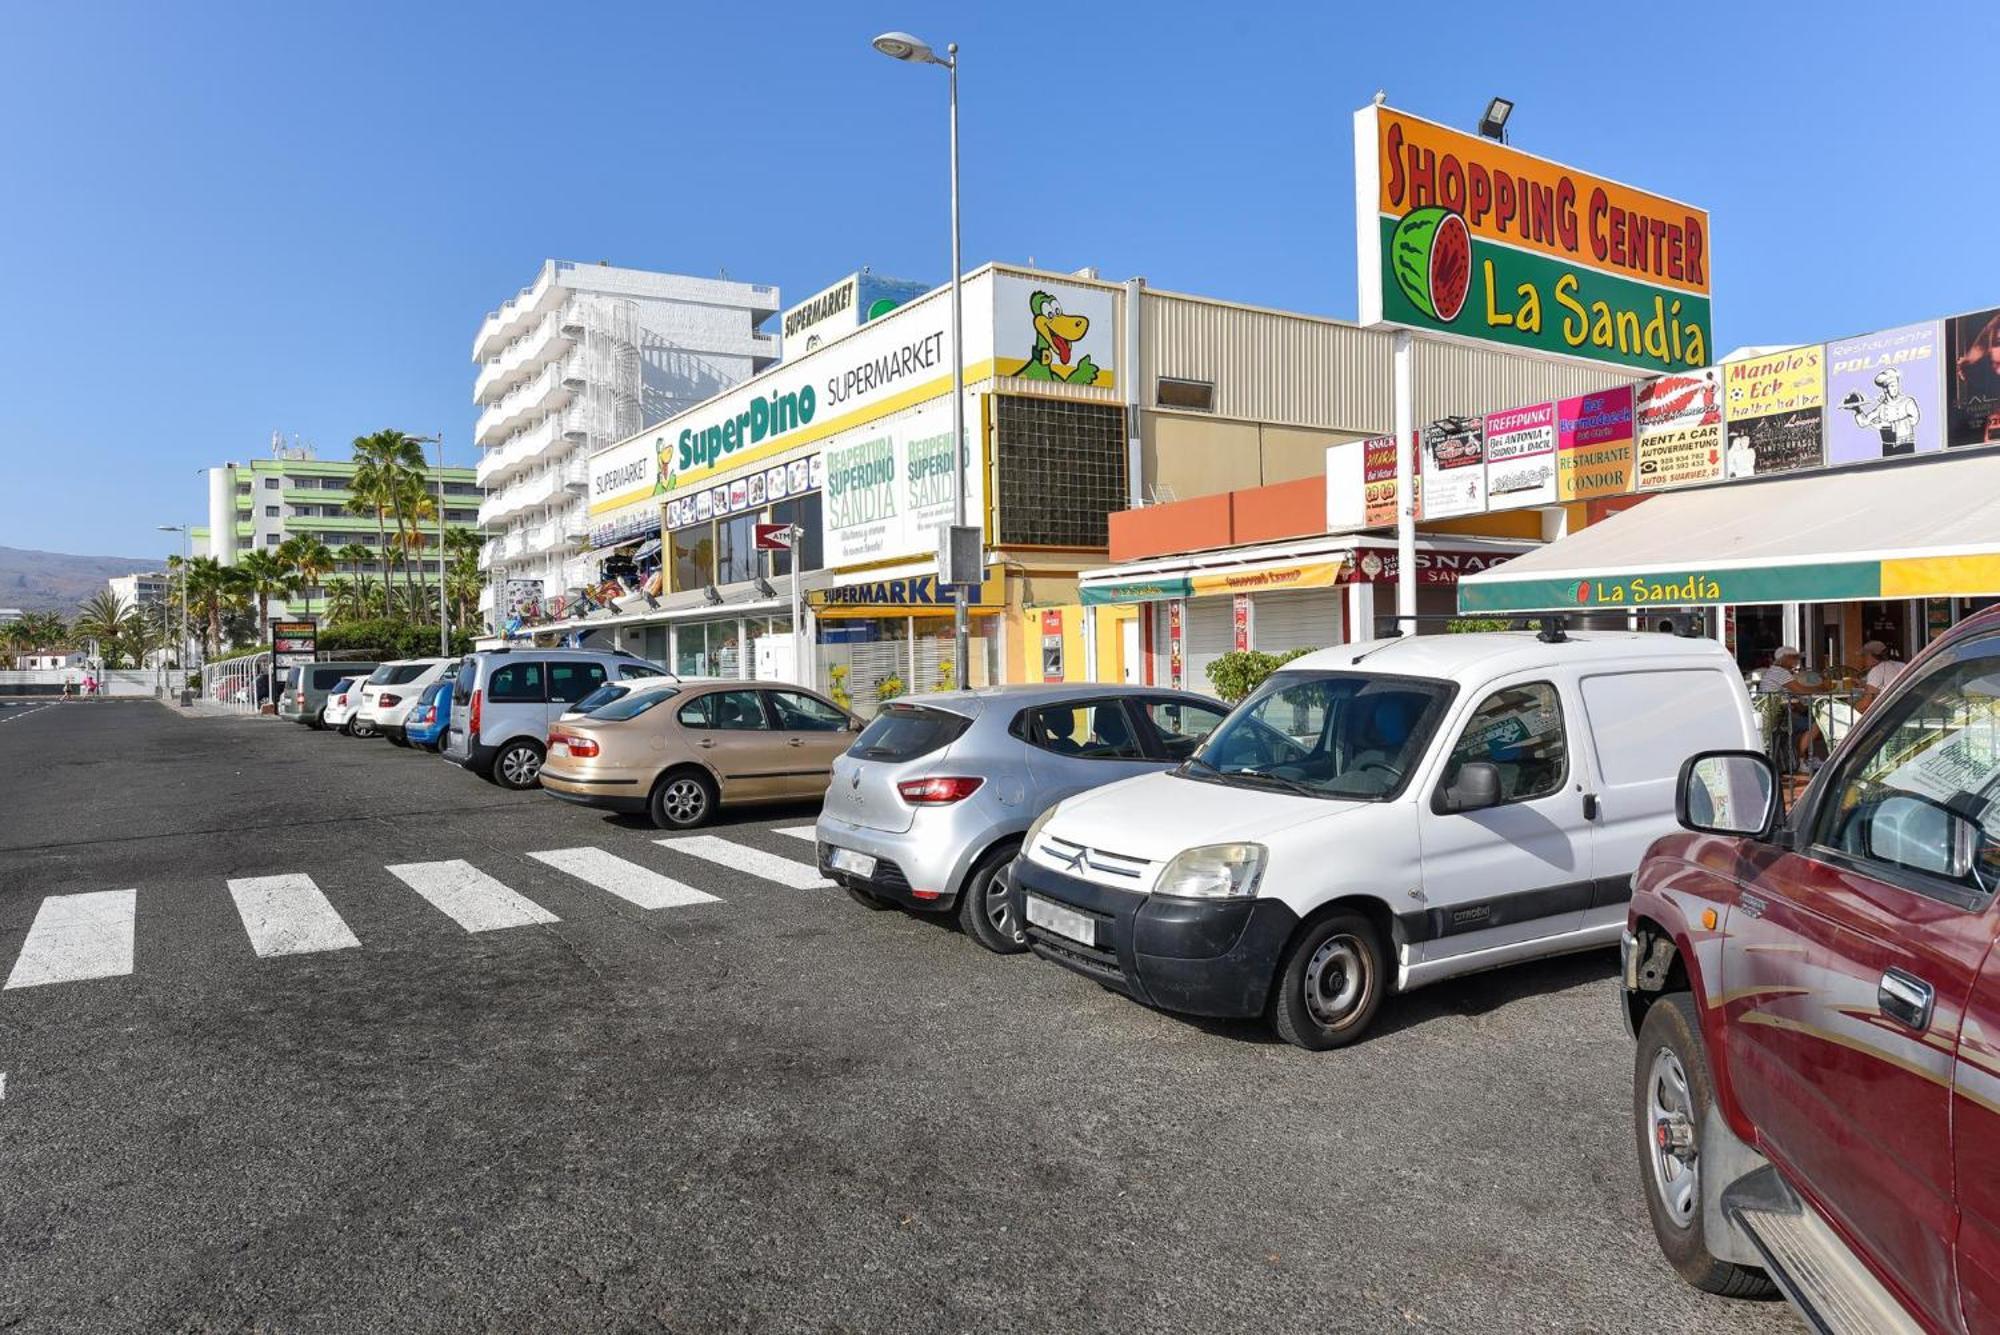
{"x":902,"y":46}
{"x":444,"y":627}
{"x":187,"y":557}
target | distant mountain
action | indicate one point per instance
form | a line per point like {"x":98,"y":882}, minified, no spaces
{"x":58,"y":582}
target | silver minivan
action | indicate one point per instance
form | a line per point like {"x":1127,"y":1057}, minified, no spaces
{"x":931,"y":801}
{"x":503,"y":700}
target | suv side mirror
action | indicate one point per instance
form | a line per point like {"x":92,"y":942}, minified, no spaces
{"x":1476,"y":788}
{"x":1728,"y":792}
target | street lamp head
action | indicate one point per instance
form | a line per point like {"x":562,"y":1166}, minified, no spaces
{"x":902,"y":46}
{"x":172,"y":528}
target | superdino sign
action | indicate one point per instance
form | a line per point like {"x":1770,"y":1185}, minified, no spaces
{"x":1462,"y":235}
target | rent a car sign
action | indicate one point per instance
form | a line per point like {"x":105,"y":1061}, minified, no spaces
{"x":1462,"y":235}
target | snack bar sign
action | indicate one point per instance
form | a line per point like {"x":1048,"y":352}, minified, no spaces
{"x":1461,"y":235}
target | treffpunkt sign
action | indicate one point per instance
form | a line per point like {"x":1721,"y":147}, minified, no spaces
{"x":1460,"y":235}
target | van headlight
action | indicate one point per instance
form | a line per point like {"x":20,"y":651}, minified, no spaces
{"x":1214,"y":871}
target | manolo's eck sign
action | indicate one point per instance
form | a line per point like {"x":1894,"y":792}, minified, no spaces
{"x":1461,"y":235}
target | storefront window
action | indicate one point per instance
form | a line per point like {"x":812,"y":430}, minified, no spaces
{"x":694,"y":557}
{"x":805,"y":512}
{"x":735,"y":549}
{"x":709,"y":649}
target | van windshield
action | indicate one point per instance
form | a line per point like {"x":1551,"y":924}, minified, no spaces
{"x":1350,"y":735}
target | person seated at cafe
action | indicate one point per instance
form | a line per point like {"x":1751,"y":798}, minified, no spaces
{"x":1783,"y":679}
{"x":1882,"y":670}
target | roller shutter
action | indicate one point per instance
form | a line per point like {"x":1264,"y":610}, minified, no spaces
{"x":1305,"y":619}
{"x":1210,"y":631}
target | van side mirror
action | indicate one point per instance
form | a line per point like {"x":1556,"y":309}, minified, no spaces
{"x":1476,"y":788}
{"x":1728,"y":792}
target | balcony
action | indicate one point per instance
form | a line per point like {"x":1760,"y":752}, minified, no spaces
{"x":486,"y":554}
{"x":517,"y":313}
{"x":545,"y":392}
{"x":486,"y":598}
{"x":544,"y":342}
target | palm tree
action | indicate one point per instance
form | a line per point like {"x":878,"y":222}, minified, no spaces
{"x":383,"y":463}
{"x":264,"y":576}
{"x":462,"y":581}
{"x":39,"y":631}
{"x":102,"y":618}
{"x":207,"y":593}
{"x":416,"y":519}
{"x":310,"y":559}
{"x":355,"y":555}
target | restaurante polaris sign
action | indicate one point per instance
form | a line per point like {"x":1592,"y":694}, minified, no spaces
{"x":1460,"y":235}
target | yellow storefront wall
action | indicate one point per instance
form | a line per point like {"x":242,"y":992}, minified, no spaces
{"x":1029,"y":627}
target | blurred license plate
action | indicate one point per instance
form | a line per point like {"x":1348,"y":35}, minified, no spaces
{"x":1062,"y":921}
{"x":558,"y":748}
{"x":851,"y":862}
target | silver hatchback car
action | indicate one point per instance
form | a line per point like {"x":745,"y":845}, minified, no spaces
{"x":932,"y":799}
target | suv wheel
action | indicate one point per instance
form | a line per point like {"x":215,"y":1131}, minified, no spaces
{"x":1671,"y":1097}
{"x":682,"y":801}
{"x":519,"y":765}
{"x":1330,"y":984}
{"x":984,"y":911}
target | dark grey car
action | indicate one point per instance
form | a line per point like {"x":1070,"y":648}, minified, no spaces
{"x":932,"y":799}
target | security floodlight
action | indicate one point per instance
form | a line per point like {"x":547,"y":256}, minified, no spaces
{"x":713,"y":594}
{"x":902,"y":46}
{"x":1494,"y":123}
{"x":763,"y":587}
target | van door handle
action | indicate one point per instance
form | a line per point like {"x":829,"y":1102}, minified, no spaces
{"x":1590,"y":806}
{"x":1906,"y":999}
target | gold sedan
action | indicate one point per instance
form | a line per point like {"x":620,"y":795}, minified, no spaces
{"x":677,"y":751}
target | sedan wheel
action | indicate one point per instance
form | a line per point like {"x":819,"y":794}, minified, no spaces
{"x":682,"y":802}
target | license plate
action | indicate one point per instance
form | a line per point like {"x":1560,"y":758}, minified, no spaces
{"x":851,"y":862}
{"x":558,"y":748}
{"x":1063,"y":922}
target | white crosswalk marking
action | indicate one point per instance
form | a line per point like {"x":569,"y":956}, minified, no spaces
{"x":77,"y":936}
{"x":287,"y":915}
{"x":809,"y":833}
{"x":471,"y":898}
{"x":627,"y":880}
{"x":756,"y":861}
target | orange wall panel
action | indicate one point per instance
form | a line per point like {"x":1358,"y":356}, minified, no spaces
{"x":1281,"y":510}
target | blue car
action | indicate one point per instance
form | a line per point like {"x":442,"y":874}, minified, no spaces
{"x":427,"y":719}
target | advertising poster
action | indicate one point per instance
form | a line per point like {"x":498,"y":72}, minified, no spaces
{"x":1460,"y":234}
{"x":888,"y":487}
{"x":1239,"y":615}
{"x":1594,"y":445}
{"x":524,"y":597}
{"x":293,"y":643}
{"x":1972,"y":378}
{"x":1379,"y":480}
{"x":1176,"y":649}
{"x":1521,"y":457}
{"x":1782,"y":382}
{"x":1679,"y":430}
{"x":1779,"y":443}
{"x":1454,"y":467}
{"x":1884,"y":394}
{"x":1054,"y":331}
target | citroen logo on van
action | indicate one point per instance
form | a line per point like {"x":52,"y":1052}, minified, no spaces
{"x":1075,"y":861}
{"x":855,"y":781}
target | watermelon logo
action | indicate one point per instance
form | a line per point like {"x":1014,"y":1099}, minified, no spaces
{"x":1581,"y":591}
{"x":1431,"y":251}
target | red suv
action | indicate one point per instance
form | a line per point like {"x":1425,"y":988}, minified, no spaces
{"x":1816,"y":998}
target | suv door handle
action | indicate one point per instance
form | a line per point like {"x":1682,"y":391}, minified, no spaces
{"x":1906,"y":999}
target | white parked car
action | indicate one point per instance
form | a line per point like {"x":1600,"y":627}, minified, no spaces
{"x":1379,"y":816}
{"x":391,"y":691}
{"x":341,"y":702}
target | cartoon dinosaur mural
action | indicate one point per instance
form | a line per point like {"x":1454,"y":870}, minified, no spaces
{"x":1056,"y":333}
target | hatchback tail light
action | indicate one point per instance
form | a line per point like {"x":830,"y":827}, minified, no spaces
{"x":472,"y":718}
{"x":388,"y":699}
{"x":936,"y":792}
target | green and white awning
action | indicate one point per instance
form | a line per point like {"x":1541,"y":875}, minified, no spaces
{"x":1927,"y":529}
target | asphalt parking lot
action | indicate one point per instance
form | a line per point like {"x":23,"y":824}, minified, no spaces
{"x":764,"y":1109}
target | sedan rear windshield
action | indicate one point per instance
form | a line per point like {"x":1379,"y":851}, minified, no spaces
{"x":904,"y":732}
{"x":632,"y":704}
{"x":599,"y":698}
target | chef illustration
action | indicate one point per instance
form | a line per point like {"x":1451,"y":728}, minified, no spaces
{"x":1892,"y":413}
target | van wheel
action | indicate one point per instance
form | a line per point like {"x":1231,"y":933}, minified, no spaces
{"x":319,"y":721}
{"x":1671,"y":1097}
{"x":1330,"y":984}
{"x":519,"y":765}
{"x":985,"y":912}
{"x":683,"y":800}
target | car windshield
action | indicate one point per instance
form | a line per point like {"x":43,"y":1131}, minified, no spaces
{"x":1349,"y":735}
{"x":632,"y":704}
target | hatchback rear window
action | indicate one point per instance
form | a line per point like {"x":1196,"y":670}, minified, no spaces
{"x":905,"y":732}
{"x":633,"y":704}
{"x":430,"y":694}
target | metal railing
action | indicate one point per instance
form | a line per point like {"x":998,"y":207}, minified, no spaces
{"x":241,"y":685}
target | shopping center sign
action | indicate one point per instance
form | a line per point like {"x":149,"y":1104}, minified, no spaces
{"x":1461,"y":235}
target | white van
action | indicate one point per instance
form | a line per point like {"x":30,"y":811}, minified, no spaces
{"x":503,"y":700}
{"x":1379,"y":816}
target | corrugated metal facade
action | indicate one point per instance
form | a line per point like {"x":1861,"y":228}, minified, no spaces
{"x":1303,"y":370}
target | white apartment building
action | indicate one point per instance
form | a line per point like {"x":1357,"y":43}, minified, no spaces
{"x":140,"y":588}
{"x":584,"y":356}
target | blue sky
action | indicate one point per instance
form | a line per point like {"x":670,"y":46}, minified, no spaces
{"x":217,"y":221}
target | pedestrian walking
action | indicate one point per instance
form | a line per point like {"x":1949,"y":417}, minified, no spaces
{"x":89,"y":685}
{"x":69,"y":685}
